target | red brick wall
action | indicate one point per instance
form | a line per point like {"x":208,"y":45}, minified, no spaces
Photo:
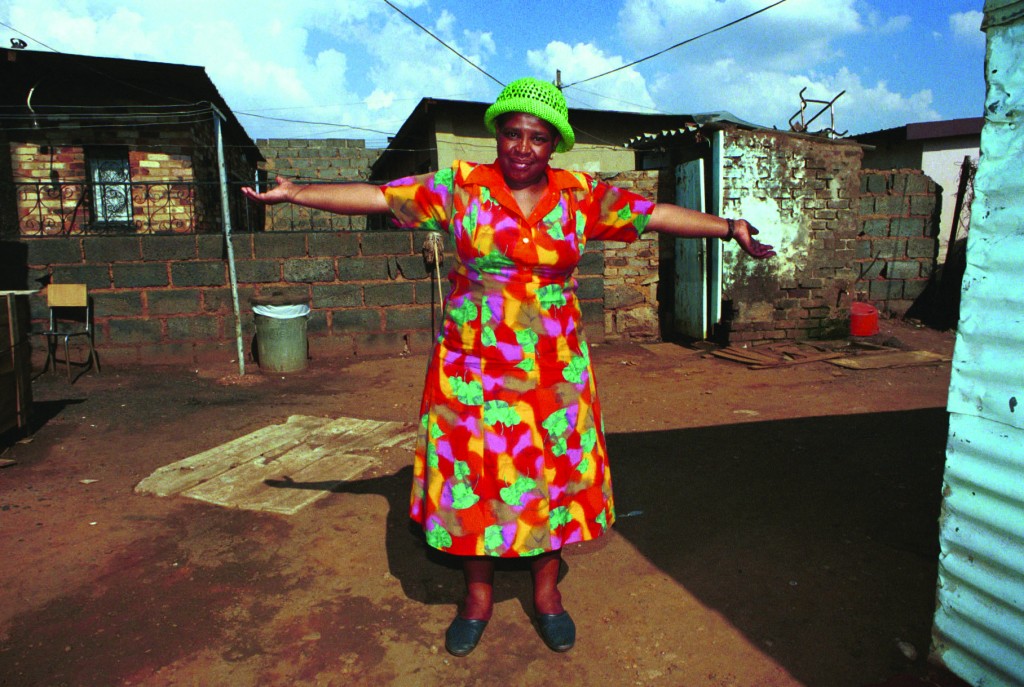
{"x":173,"y":169}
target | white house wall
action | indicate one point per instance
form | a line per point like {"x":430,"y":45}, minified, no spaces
{"x":979,"y":619}
{"x":941,"y":160}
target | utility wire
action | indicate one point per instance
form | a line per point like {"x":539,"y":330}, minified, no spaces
{"x":300,"y":121}
{"x":673,"y":47}
{"x":29,"y":37}
{"x":460,"y":55}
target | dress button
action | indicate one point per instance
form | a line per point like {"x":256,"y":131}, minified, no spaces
{"x":526,"y":240}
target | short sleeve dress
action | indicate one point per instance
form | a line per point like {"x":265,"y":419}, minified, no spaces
{"x":511,"y":459}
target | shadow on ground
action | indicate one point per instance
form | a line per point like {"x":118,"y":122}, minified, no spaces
{"x":755,"y":519}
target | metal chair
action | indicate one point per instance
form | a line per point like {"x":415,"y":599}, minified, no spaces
{"x":70,"y":315}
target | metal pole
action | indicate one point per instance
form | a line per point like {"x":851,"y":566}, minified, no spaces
{"x":226,"y":215}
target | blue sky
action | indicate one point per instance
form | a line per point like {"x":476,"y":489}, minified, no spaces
{"x":357,"y":68}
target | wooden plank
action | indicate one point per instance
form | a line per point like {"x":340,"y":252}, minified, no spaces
{"x":308,"y":484}
{"x":797,"y":361}
{"x":876,"y":361}
{"x":743,"y":356}
{"x":268,"y":441}
{"x":315,"y":454}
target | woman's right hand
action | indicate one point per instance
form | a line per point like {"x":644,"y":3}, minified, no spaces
{"x":283,"y":192}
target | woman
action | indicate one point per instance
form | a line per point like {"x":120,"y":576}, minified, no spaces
{"x":511,"y":460}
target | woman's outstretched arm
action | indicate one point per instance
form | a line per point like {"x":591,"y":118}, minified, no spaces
{"x":341,"y":199}
{"x":686,"y":223}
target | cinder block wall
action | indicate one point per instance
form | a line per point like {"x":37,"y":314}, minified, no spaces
{"x":897,"y":246}
{"x":631,"y":272}
{"x":312,"y":161}
{"x":161,"y":299}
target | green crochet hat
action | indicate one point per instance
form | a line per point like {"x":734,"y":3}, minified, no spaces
{"x":538,"y":98}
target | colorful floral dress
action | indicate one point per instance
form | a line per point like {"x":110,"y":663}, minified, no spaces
{"x":511,"y":459}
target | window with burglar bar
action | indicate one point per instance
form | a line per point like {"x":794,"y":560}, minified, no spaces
{"x":110,"y":174}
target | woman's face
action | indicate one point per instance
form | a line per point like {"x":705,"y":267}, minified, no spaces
{"x":525,"y":145}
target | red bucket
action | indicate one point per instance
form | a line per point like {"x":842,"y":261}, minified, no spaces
{"x":863,"y":319}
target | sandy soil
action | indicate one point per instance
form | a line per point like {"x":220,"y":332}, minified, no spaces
{"x":777,"y":527}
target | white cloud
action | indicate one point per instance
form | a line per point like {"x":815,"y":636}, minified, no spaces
{"x":966,"y":27}
{"x":624,"y":90}
{"x":787,"y":37}
{"x":757,"y":68}
{"x":380,"y":100}
{"x":347,"y":61}
{"x":883,"y":25}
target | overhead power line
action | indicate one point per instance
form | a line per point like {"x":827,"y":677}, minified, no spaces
{"x":460,"y":55}
{"x":672,"y":47}
{"x":8,"y":26}
{"x":301,"y":121}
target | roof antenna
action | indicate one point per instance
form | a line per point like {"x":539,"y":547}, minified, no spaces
{"x":558,"y":79}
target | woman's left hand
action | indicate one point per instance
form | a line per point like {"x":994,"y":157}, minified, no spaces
{"x":744,"y":234}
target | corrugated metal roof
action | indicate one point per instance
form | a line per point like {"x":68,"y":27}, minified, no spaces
{"x":979,"y":619}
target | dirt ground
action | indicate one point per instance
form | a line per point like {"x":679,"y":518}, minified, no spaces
{"x":777,"y":527}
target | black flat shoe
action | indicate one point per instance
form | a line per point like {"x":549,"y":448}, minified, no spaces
{"x":463,"y":635}
{"x":557,"y":630}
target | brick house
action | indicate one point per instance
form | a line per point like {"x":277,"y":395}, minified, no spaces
{"x":842,"y":233}
{"x":95,"y":145}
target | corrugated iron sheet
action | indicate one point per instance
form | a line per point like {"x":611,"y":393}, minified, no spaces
{"x":979,"y":619}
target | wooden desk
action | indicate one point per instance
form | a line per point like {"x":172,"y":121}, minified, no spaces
{"x":15,"y":361}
